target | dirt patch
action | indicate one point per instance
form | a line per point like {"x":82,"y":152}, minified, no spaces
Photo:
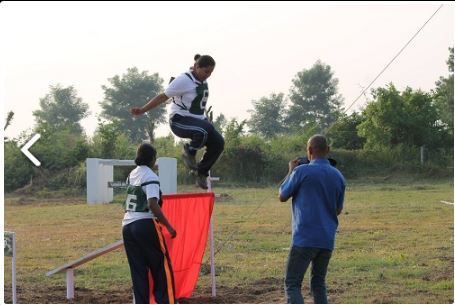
{"x":224,"y":197}
{"x":438,"y":275}
{"x":263,"y":291}
{"x":57,"y":295}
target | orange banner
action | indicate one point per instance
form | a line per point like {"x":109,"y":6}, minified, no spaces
{"x":190,"y":215}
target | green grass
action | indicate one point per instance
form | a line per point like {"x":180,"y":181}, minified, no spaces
{"x":394,"y":245}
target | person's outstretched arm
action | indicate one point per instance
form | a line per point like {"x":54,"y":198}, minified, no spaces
{"x":154,"y":102}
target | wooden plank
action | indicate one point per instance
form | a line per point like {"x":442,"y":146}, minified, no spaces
{"x":117,"y":184}
{"x":87,"y":258}
{"x":117,"y":162}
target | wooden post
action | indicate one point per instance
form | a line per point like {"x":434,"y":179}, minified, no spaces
{"x":13,"y":270}
{"x":10,"y":250}
{"x":212,"y":241}
{"x":70,"y":283}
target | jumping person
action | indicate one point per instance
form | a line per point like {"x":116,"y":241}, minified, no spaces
{"x":142,"y":236}
{"x":189,"y":93}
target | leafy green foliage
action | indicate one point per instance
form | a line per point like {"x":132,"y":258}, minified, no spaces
{"x":110,"y":142}
{"x":244,"y":161}
{"x":61,"y":109}
{"x":18,"y":169}
{"x":267,"y":117}
{"x":60,"y":149}
{"x":394,"y":118}
{"x":314,"y":98}
{"x":133,"y":89}
{"x":443,"y":97}
{"x":343,"y":134}
{"x":220,"y":122}
{"x":233,"y":131}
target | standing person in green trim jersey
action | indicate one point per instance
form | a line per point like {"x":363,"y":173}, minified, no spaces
{"x":189,"y":92}
{"x":143,"y":239}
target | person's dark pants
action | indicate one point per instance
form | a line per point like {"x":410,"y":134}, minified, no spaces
{"x":298,"y":262}
{"x":202,"y":133}
{"x":145,"y":249}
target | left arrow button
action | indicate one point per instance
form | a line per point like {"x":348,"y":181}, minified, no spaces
{"x":27,"y":146}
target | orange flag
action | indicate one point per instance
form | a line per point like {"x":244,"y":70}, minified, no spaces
{"x":190,"y":215}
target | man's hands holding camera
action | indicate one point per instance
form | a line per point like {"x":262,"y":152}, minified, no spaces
{"x":293,"y":164}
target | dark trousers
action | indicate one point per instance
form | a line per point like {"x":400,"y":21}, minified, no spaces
{"x":202,"y":133}
{"x":146,"y":251}
{"x":298,"y":262}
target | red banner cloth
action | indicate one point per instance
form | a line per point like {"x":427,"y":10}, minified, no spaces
{"x":190,"y":215}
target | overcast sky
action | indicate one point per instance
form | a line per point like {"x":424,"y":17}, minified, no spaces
{"x":258,"y":48}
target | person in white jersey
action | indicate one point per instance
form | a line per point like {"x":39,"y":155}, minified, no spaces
{"x":189,"y":92}
{"x":143,"y":239}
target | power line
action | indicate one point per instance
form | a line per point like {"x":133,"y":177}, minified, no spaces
{"x":382,"y":71}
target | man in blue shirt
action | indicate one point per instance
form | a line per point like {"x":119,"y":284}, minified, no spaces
{"x":317,"y":191}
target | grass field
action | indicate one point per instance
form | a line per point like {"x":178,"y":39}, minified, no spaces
{"x":394,"y":245}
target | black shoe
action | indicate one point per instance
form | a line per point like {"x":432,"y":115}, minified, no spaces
{"x":201,"y":181}
{"x":189,"y":159}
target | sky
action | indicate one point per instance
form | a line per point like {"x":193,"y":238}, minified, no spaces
{"x":258,"y":48}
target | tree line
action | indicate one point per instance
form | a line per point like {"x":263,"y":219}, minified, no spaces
{"x":389,"y":130}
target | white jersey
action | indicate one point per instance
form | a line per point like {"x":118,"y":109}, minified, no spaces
{"x":189,"y":96}
{"x":138,"y":176}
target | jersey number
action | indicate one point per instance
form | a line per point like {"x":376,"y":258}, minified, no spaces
{"x":131,"y":202}
{"x":205,"y":97}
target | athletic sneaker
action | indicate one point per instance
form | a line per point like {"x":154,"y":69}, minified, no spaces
{"x":201,"y":181}
{"x":188,"y":158}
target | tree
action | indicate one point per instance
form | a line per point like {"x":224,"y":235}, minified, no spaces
{"x":344,"y":134}
{"x":234,"y":130}
{"x":381,"y":126}
{"x":443,"y":96}
{"x":9,"y":118}
{"x":134,"y":88}
{"x":421,"y":120}
{"x":314,"y":98}
{"x":394,"y":118}
{"x":59,"y":149}
{"x":220,"y":122}
{"x":450,"y":60}
{"x":109,"y":142}
{"x":267,"y":117}
{"x":18,"y":170}
{"x":61,"y":109}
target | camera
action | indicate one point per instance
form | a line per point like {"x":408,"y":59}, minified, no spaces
{"x":305,"y":160}
{"x":302,"y":160}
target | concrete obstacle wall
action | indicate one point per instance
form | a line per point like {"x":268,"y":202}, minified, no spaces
{"x":100,"y":175}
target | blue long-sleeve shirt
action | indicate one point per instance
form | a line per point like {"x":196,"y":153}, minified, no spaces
{"x":317,"y":191}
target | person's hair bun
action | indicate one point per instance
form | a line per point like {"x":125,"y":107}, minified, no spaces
{"x":196,"y":57}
